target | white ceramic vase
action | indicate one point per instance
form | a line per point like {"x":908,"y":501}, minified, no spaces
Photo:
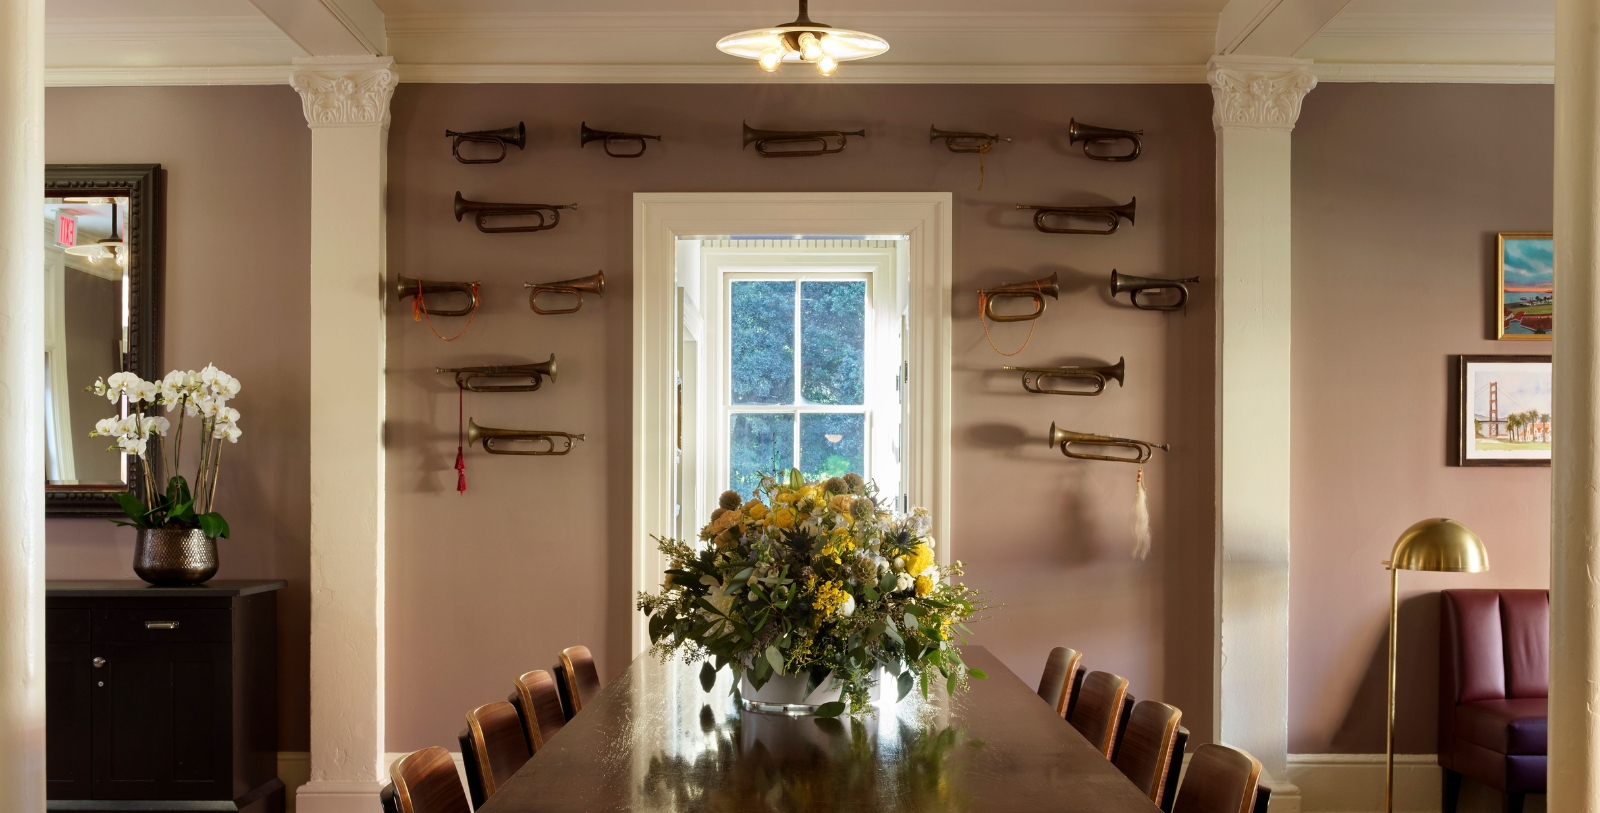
{"x":786,"y":694}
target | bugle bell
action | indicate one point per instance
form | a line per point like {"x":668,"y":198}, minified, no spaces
{"x":762,"y":138}
{"x":607,"y":138}
{"x":407,"y":286}
{"x":966,"y":142}
{"x":1112,"y":215}
{"x":1142,"y":285}
{"x":548,"y":214}
{"x":1034,"y":378}
{"x":486,"y":437}
{"x":1036,"y":290}
{"x":533,"y":374}
{"x":1091,"y":135}
{"x":593,"y":284}
{"x":517,"y":136}
{"x":1065,"y":440}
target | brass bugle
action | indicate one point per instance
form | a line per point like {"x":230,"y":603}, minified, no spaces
{"x":486,"y":437}
{"x":607,"y":138}
{"x":1065,"y":440}
{"x":1035,"y":290}
{"x":1139,"y":285}
{"x":1034,"y":378}
{"x":593,"y":284}
{"x":517,"y":136}
{"x":1112,"y":215}
{"x":762,"y":138}
{"x":548,"y":214}
{"x":965,"y":142}
{"x":1091,"y":135}
{"x":407,"y":286}
{"x":533,"y":374}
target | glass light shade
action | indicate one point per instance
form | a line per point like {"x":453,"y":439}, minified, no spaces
{"x":826,"y":65}
{"x":1441,"y":545}
{"x":96,"y":250}
{"x":842,"y":44}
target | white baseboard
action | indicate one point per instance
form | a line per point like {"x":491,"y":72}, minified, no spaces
{"x":1353,"y":783}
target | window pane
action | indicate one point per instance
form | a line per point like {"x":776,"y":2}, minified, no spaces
{"x":762,"y":315}
{"x":758,"y":443}
{"x":833,"y":329}
{"x":831,"y":444}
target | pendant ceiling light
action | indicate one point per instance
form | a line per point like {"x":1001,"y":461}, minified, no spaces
{"x":802,"y":41}
{"x":109,"y":248}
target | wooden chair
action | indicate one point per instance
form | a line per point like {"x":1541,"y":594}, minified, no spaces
{"x":1099,"y":710}
{"x":539,"y":704}
{"x":498,"y":742}
{"x":583,"y":680}
{"x":1219,"y":780}
{"x":1174,"y":769}
{"x":1061,"y":679}
{"x":426,"y":782}
{"x":1145,"y":755}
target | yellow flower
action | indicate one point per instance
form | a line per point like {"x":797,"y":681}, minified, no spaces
{"x":919,"y":560}
{"x":784,"y":495}
{"x":924,"y":586}
{"x":841,"y":503}
{"x":830,"y":597}
{"x":756,"y":512}
{"x":782,"y":518}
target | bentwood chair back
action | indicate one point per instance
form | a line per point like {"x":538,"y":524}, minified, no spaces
{"x":498,"y":742}
{"x":1099,"y":710}
{"x":1060,"y":678}
{"x":540,"y":706}
{"x":1174,"y":769}
{"x":426,"y":782}
{"x":1219,"y":780}
{"x":1146,"y":751}
{"x":583,"y":680}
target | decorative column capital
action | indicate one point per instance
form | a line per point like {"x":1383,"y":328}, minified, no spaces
{"x":1259,"y":93}
{"x":344,"y":91}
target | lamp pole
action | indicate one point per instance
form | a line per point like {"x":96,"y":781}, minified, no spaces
{"x":1394,"y":634}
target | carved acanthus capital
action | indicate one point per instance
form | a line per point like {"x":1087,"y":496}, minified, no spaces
{"x":1257,"y":92}
{"x":343,"y":92}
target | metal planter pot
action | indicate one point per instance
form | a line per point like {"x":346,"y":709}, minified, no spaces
{"x":174,"y":556}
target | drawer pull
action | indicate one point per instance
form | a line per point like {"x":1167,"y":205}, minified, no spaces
{"x":160,"y":625}
{"x":99,"y":662}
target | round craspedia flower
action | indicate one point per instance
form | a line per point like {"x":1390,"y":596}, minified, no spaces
{"x":920,"y":559}
{"x":729,"y":499}
{"x":835,"y":485}
{"x":854,"y":483}
{"x":862,"y":509}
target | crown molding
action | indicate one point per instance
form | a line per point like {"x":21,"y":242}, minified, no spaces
{"x":1439,"y":73}
{"x":517,"y":24}
{"x":142,"y":29}
{"x":858,"y":73}
{"x":1492,"y":26}
{"x":157,"y":77}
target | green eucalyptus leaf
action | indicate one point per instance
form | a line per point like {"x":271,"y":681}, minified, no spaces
{"x":775,"y":659}
{"x":907,"y":680}
{"x":708,"y":676}
{"x":833,"y":709}
{"x":978,"y":673}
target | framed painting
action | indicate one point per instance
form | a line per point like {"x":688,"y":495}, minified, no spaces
{"x":1526,"y":283}
{"x":1503,"y":405}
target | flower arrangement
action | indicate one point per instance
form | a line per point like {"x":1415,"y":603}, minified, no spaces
{"x":813,"y":579}
{"x":204,"y":395}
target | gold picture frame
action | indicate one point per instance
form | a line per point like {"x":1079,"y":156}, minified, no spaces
{"x":1523,"y":312}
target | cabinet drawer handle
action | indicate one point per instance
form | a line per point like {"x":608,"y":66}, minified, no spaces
{"x":99,"y":662}
{"x":160,"y":625}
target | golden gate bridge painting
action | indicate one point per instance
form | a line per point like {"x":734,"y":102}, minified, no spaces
{"x":1506,"y":409}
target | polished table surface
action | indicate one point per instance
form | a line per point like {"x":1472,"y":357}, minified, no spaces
{"x":653,"y":740}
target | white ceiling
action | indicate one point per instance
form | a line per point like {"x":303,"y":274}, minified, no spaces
{"x":237,"y":41}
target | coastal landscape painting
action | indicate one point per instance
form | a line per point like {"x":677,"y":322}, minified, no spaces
{"x":1504,"y":409}
{"x":1527,"y":283}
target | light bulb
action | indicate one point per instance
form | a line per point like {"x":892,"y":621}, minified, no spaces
{"x":827,"y":65}
{"x":810,"y":47}
{"x":770,"y":59}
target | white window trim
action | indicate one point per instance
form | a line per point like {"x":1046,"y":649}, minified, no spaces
{"x":659,"y":218}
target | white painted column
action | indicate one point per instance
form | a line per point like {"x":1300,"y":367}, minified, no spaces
{"x":1574,"y":769}
{"x":1256,"y":103}
{"x":346,"y":103}
{"x":22,"y":406}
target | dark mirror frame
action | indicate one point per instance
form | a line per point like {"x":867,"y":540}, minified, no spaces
{"x":143,"y":185}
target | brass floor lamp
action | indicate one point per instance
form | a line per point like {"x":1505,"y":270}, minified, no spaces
{"x":1439,"y":545}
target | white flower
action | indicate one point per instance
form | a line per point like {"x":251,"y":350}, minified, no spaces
{"x":929,"y":541}
{"x":904,"y":581}
{"x":201,"y":405}
{"x":899,"y":564}
{"x":99,"y":387}
{"x":226,"y":430}
{"x":932,"y":572}
{"x":144,"y":391}
{"x":848,"y":608}
{"x":119,"y":383}
{"x":154,"y":426}
{"x":134,"y":445}
{"x":104,"y":427}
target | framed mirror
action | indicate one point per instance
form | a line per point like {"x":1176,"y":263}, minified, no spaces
{"x":102,"y":273}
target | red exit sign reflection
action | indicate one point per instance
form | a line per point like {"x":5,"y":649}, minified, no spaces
{"x":66,"y":231}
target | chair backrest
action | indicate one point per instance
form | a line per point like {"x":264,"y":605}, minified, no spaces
{"x":541,"y":710}
{"x":387,"y":801}
{"x":583,"y":680}
{"x":1099,"y":708}
{"x":1219,"y":780}
{"x":1056,"y":684}
{"x":1174,"y":769}
{"x":1493,"y":645}
{"x":1147,"y":742}
{"x":499,"y":742}
{"x":426,"y":782}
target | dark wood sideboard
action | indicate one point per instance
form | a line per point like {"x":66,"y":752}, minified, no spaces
{"x":162,"y":698}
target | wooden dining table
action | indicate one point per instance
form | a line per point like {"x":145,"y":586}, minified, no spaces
{"x":654,"y":740}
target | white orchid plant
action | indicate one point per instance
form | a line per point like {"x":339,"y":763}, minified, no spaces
{"x":203,"y":395}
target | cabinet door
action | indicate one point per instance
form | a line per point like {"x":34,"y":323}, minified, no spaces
{"x":162,"y":723}
{"x":67,"y":696}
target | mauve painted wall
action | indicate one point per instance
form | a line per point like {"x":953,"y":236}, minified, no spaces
{"x":238,"y":170}
{"x":1398,"y":193}
{"x":536,"y":555}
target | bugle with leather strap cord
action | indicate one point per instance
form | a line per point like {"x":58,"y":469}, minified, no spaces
{"x":607,"y":138}
{"x":516,"y":136}
{"x":1112,"y":215}
{"x":1034,"y":378}
{"x":1065,"y":440}
{"x":762,"y":138}
{"x":966,"y":142}
{"x":487,"y":437}
{"x":548,"y":214}
{"x":1091,"y":135}
{"x":1035,"y":290}
{"x":1144,"y":285}
{"x":408,"y":286}
{"x":593,"y":284}
{"x":533,"y":374}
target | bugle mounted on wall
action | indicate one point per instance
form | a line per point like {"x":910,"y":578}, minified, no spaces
{"x":1144,"y":285}
{"x":1066,"y":440}
{"x":1034,"y":378}
{"x":423,"y":288}
{"x":966,"y":142}
{"x":1035,"y":290}
{"x":593,"y":284}
{"x":822,"y":138}
{"x":516,"y":136}
{"x":607,"y":138}
{"x":533,"y":375}
{"x":548,"y":214}
{"x":1091,"y":136}
{"x":487,"y":437}
{"x":1112,"y":215}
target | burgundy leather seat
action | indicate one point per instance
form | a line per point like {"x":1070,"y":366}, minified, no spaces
{"x":1494,"y":678}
